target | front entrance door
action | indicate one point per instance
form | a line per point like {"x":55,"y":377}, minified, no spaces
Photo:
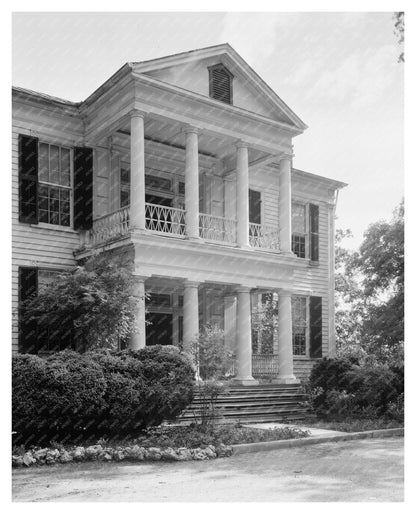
{"x":159,"y":331}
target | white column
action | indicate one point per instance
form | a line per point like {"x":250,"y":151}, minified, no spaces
{"x":137,"y":171}
{"x":244,"y":350}
{"x":138,"y":339}
{"x":285,"y":205}
{"x":190,"y":312}
{"x":242,"y":195}
{"x":285,"y":353}
{"x":230,"y":318}
{"x":192,"y":183}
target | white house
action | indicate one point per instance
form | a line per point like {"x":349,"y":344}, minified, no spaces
{"x":182,"y":165}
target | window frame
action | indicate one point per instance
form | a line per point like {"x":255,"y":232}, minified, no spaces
{"x":298,"y":234}
{"x":70,"y":188}
{"x":306,"y":355}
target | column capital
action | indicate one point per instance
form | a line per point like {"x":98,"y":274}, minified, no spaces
{"x":241,"y":144}
{"x":243,"y":289}
{"x":190,"y":129}
{"x":286,"y":157}
{"x":284,"y":293}
{"x":190,"y":283}
{"x":136,"y":113}
{"x":140,"y":278}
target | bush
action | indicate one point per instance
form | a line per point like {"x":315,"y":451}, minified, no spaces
{"x":340,"y":388}
{"x":55,"y":397}
{"x":69,"y":396}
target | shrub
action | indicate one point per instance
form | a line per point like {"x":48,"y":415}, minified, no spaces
{"x":68,"y":395}
{"x":55,"y":397}
{"x":373,"y":386}
{"x":340,"y":388}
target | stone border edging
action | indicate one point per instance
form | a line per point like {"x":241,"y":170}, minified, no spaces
{"x":291,"y":443}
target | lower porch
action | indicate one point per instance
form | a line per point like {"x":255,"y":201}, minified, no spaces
{"x":263,"y":342}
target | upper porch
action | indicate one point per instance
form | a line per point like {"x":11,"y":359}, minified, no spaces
{"x":178,"y":181}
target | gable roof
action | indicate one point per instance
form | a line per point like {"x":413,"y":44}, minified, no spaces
{"x":229,"y":57}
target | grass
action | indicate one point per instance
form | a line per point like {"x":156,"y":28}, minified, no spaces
{"x":353,"y":424}
{"x":195,"y":435}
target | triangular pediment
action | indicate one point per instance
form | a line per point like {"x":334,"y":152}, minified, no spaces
{"x":189,"y":71}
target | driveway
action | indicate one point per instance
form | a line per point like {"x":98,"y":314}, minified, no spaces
{"x":361,"y":470}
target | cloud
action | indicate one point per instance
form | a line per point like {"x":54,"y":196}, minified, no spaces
{"x":361,"y":79}
{"x":255,"y":35}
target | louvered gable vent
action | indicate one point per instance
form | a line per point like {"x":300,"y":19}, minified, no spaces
{"x":220,"y":83}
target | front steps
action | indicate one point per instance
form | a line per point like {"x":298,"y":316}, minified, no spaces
{"x":252,"y":404}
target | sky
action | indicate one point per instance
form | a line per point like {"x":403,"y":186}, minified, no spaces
{"x":337,"y":71}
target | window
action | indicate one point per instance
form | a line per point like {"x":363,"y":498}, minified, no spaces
{"x":54,"y":185}
{"x":159,"y":300}
{"x":254,"y":202}
{"x":124,"y":186}
{"x":158,"y":183}
{"x":299,"y":229}
{"x":221,"y":83}
{"x":299,"y":324}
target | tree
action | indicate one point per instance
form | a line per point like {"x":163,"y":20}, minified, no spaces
{"x":95,"y":300}
{"x":370,"y":290}
{"x":399,"y":31}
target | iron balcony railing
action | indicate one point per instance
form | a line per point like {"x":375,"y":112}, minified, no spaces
{"x":263,"y":236}
{"x":171,"y":221}
{"x":165,"y":220}
{"x":217,"y":228}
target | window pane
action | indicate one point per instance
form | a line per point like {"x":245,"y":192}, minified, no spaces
{"x":44,"y":162}
{"x":298,"y":218}
{"x":54,"y":164}
{"x":125,"y":176}
{"x":65,"y":167}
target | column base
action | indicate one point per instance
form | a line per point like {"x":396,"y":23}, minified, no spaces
{"x":244,"y":381}
{"x":195,"y":239}
{"x":291,"y":379}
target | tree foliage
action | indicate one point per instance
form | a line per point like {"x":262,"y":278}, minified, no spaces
{"x":370,"y":291}
{"x":399,"y":31}
{"x":95,"y":299}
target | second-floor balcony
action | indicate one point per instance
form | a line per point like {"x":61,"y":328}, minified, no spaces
{"x":171,"y":222}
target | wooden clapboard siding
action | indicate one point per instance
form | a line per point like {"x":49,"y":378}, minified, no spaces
{"x":302,"y":368}
{"x":43,"y":246}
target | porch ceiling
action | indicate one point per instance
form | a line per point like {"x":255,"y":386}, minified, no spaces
{"x":171,"y":134}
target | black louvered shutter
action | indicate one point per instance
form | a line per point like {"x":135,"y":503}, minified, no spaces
{"x":28,"y":286}
{"x":220,"y":84}
{"x":83,"y":193}
{"x":314,"y":232}
{"x":28,"y":179}
{"x":315,"y":328}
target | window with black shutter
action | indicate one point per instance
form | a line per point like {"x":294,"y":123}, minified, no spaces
{"x":28,"y":287}
{"x":314,"y":232}
{"x":28,"y":179}
{"x":220,"y":83}
{"x":83,"y":176}
{"x":315,"y":326}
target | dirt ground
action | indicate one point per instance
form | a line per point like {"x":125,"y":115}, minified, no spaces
{"x":363,"y":470}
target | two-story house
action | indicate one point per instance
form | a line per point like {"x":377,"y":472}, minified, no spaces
{"x":182,"y":165}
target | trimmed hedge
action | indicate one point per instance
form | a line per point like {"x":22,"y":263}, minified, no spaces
{"x":70,"y":396}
